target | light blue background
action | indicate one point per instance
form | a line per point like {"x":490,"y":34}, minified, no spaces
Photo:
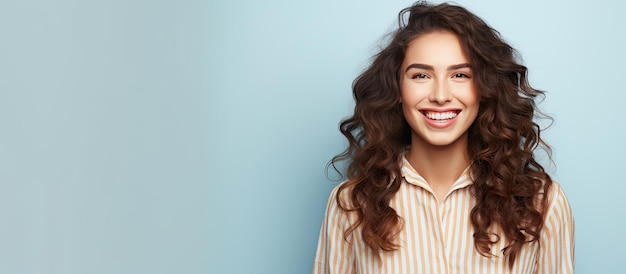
{"x":191,"y":136}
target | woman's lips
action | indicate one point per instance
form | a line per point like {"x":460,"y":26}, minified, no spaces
{"x":440,"y":115}
{"x":440,"y":118}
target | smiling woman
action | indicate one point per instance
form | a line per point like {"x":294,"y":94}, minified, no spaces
{"x":438,"y":97}
{"x":442,"y":177}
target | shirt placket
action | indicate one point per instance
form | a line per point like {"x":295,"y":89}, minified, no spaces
{"x":445,"y":210}
{"x":443,"y":239}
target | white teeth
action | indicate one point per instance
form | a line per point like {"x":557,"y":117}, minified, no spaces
{"x":440,"y":115}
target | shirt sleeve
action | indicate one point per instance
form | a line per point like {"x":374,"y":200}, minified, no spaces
{"x":557,"y":237}
{"x":334,"y":253}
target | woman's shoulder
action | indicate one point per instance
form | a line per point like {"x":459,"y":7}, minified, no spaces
{"x":339,"y":206}
{"x":557,"y":201}
{"x":555,"y":192}
{"x":341,"y":190}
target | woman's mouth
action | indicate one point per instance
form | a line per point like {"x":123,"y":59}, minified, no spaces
{"x":440,"y":115}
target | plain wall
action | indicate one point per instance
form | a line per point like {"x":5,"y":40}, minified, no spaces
{"x":192,"y":136}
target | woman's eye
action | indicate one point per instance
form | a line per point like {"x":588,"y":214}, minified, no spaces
{"x":419,"y":76}
{"x":460,"y":75}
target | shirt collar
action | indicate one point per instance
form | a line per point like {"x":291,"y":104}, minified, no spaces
{"x":412,"y":177}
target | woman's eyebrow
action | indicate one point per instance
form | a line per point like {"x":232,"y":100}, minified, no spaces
{"x":431,"y":68}
{"x":419,"y":66}
{"x":459,"y":66}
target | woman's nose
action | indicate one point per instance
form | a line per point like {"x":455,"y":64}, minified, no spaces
{"x":441,"y":93}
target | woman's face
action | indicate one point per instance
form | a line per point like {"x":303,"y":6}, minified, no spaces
{"x":438,"y":97}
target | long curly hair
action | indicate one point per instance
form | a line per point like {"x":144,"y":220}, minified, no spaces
{"x":508,"y":182}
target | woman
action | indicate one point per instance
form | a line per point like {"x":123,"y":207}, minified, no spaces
{"x":442,"y":176}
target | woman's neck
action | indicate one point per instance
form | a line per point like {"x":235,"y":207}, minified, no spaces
{"x":441,"y":166}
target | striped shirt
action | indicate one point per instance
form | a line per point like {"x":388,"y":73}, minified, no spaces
{"x":437,"y":236}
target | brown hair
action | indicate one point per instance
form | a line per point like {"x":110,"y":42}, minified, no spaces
{"x":508,"y":181}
